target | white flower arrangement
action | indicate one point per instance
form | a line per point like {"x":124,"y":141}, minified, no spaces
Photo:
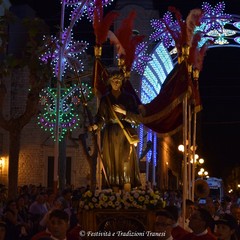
{"x":107,"y":199}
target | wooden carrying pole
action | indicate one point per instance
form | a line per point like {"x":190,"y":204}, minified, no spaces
{"x":189,"y":152}
{"x":194,"y":149}
{"x":185,"y":183}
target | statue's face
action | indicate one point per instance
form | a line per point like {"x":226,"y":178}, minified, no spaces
{"x":116,"y":83}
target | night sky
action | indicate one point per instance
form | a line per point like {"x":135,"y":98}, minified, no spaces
{"x":220,"y":92}
{"x":219,"y":121}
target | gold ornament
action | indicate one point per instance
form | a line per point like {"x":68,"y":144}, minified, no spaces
{"x":195,"y":74}
{"x":98,"y":51}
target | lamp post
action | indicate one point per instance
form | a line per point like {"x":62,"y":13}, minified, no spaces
{"x":203,"y":173}
{"x":1,"y":168}
{"x":192,"y":163}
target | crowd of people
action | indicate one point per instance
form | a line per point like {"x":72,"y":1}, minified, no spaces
{"x":212,"y":220}
{"x":39,"y":214}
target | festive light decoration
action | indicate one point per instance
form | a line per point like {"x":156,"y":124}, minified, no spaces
{"x":64,"y":53}
{"x":150,"y":152}
{"x":71,"y":49}
{"x":213,"y":23}
{"x":221,"y":40}
{"x":214,"y":18}
{"x":155,"y":73}
{"x":237,"y":25}
{"x":155,"y":149}
{"x":213,"y":26}
{"x":161,"y":32}
{"x":224,"y":33}
{"x":237,"y":40}
{"x":81,"y":7}
{"x":204,"y":40}
{"x":141,"y":58}
{"x":76,"y":100}
{"x":70,"y":58}
{"x":221,"y":35}
{"x":154,"y":76}
{"x":70,"y":98}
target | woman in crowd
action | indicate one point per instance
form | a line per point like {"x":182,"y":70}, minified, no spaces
{"x":13,"y":228}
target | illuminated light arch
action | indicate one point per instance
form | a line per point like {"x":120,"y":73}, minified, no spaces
{"x":153,"y":78}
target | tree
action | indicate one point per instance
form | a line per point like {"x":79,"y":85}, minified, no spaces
{"x":39,"y":76}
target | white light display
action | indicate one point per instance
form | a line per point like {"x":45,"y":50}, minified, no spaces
{"x":237,"y":40}
{"x":154,"y":76}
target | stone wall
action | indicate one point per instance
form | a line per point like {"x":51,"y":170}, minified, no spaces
{"x":36,"y":146}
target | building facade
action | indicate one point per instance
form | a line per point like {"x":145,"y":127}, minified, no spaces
{"x":36,"y":157}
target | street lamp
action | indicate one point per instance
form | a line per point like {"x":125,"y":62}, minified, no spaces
{"x":202,"y":173}
{"x":188,"y":167}
{"x":195,"y":158}
{"x":1,"y":164}
{"x":201,"y":160}
{"x":1,"y":167}
{"x":181,"y":148}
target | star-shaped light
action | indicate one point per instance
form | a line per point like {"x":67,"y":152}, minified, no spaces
{"x":214,"y":17}
{"x":141,"y":58}
{"x":87,"y":7}
{"x":161,"y":29}
{"x":70,"y":56}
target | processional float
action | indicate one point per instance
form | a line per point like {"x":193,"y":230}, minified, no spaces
{"x":176,"y":105}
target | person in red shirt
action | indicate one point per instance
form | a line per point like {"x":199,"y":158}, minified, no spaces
{"x":200,"y":222}
{"x":75,"y":232}
{"x":58,"y":225}
{"x":42,"y":234}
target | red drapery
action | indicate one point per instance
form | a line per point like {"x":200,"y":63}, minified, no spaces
{"x":164,"y":114}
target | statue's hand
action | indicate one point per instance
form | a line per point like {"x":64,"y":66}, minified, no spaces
{"x":119,"y":109}
{"x":92,"y":128}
